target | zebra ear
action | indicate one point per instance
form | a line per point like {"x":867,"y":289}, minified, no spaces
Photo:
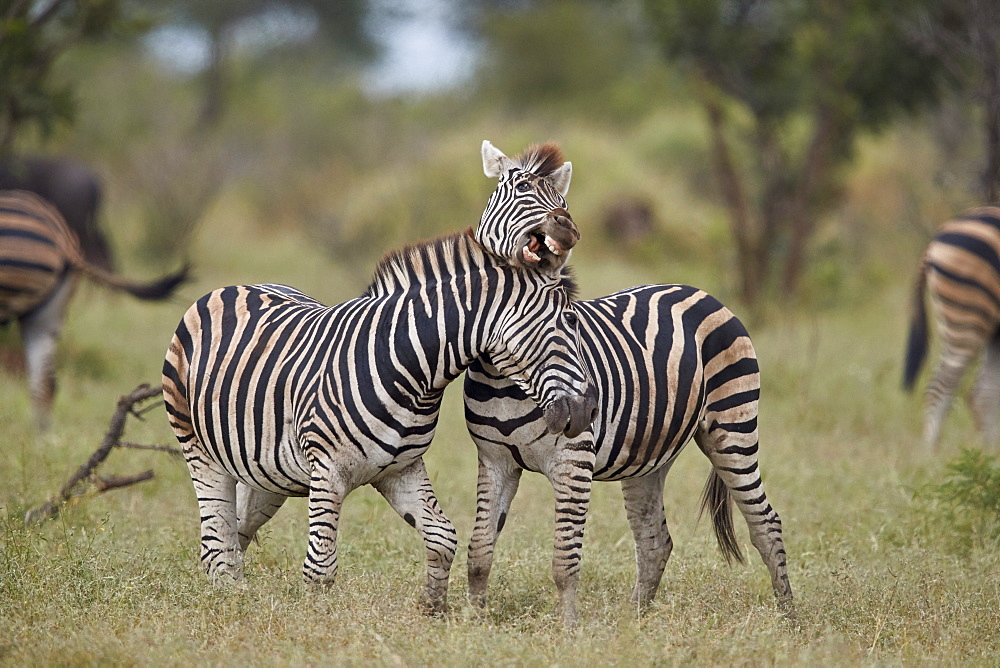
{"x":495,"y":163}
{"x":559,"y":178}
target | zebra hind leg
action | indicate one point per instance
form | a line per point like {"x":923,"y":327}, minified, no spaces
{"x":495,"y":490}
{"x":733,"y":454}
{"x":221,"y":556}
{"x":253,"y":509}
{"x":985,"y":400}
{"x":410,"y":494}
{"x":940,"y":392}
{"x":39,"y":332}
{"x":653,"y":545}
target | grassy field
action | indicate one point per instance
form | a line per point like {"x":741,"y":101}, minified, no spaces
{"x":115,"y":578}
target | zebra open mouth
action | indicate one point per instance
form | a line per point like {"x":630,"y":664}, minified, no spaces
{"x":539,"y":246}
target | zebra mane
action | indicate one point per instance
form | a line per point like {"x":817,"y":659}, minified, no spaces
{"x":540,"y":159}
{"x":400,"y":267}
{"x":567,"y":281}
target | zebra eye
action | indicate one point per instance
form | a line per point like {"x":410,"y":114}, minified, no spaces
{"x":571,"y":318}
{"x":523,"y":186}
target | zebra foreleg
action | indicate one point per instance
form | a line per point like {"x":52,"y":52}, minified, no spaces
{"x":495,"y":490}
{"x":410,"y":494}
{"x":571,"y":473}
{"x":734,"y":456}
{"x":254,"y":508}
{"x":653,"y":545}
{"x":326,"y":499}
{"x":39,"y":333}
{"x":221,"y":556}
{"x":985,"y":401}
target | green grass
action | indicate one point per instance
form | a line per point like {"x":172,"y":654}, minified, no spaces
{"x":115,"y":579}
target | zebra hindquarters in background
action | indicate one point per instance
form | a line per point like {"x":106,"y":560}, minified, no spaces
{"x":669,"y":362}
{"x":960,"y":272}
{"x":40,"y":261}
{"x":36,"y":283}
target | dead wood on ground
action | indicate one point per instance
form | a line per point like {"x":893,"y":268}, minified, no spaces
{"x":86,"y":477}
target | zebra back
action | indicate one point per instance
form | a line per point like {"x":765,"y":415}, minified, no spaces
{"x":662,"y":357}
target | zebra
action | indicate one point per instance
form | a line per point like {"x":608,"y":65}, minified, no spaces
{"x":272,"y":394}
{"x":669,"y":362}
{"x":40,"y":262}
{"x":961,"y":272}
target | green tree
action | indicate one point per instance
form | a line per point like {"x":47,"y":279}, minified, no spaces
{"x":339,"y":23}
{"x":33,"y":35}
{"x":794,"y":82}
{"x":967,"y":41}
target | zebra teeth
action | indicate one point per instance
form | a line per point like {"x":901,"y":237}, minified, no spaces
{"x":553,"y":246}
{"x":530,"y":256}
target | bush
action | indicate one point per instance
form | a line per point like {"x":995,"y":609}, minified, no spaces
{"x":967,"y":502}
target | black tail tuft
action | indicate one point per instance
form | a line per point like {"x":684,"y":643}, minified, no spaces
{"x":916,"y":346}
{"x":162,"y":288}
{"x":715,"y":499}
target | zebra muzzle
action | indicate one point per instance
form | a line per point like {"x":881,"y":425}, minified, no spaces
{"x":547,"y":246}
{"x":571,"y":415}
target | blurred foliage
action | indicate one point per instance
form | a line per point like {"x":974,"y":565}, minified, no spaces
{"x":578,"y":59}
{"x":965,"y":504}
{"x":787,"y":87}
{"x":304,"y":147}
{"x":265,"y":27}
{"x":33,"y":36}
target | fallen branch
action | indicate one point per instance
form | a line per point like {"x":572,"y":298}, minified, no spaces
{"x":87,"y":473}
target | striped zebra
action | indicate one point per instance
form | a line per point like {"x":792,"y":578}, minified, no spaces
{"x":40,"y":262}
{"x":961,"y":273}
{"x":669,"y":362}
{"x":272,"y":394}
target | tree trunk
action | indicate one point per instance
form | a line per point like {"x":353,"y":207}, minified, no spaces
{"x":985,"y":26}
{"x":734,"y":194}
{"x":213,"y":99}
{"x":802,"y":209}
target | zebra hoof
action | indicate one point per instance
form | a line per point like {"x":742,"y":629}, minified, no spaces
{"x":433,"y":607}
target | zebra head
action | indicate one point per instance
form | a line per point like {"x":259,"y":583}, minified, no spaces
{"x":526,"y":222}
{"x":536,"y":345}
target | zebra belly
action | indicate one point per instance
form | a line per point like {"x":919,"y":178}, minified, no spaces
{"x":507,"y":425}
{"x":281,"y":464}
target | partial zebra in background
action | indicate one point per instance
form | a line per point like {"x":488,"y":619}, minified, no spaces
{"x":668,"y":362}
{"x":73,"y":188}
{"x":272,"y":394}
{"x":40,"y":261}
{"x":960,"y":271}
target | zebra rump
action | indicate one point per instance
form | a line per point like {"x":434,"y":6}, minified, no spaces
{"x":959,"y":275}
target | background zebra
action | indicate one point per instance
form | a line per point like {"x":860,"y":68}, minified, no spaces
{"x":40,"y":261}
{"x":668,"y":362}
{"x":272,"y":394}
{"x":961,"y":272}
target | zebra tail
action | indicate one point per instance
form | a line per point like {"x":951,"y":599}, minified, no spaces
{"x":916,"y":346}
{"x":153,"y":290}
{"x":715,"y":499}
